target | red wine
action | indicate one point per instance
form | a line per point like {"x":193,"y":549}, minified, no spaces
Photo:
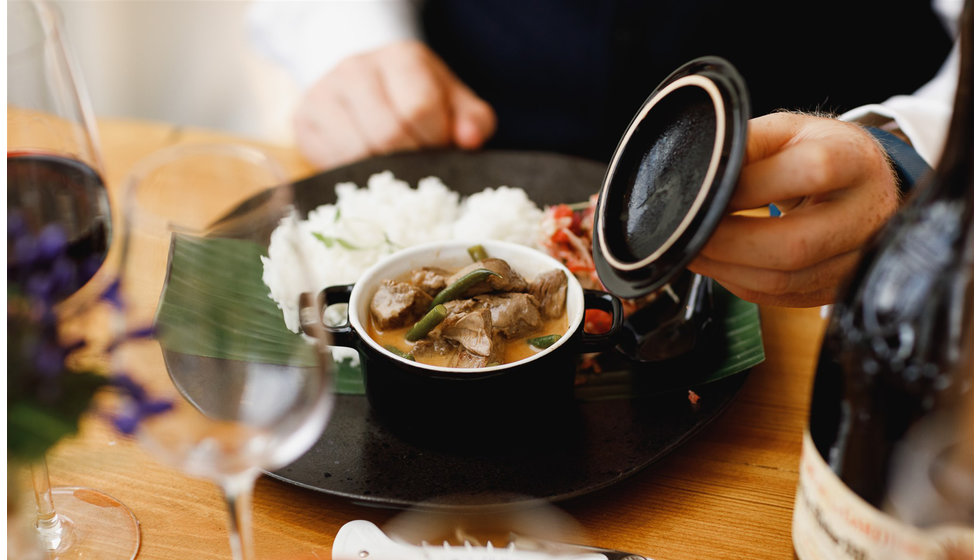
{"x":887,"y":467}
{"x":45,"y":189}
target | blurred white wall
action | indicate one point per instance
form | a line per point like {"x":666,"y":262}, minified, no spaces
{"x":183,"y":61}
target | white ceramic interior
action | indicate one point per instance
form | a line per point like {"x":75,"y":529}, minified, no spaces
{"x":453,"y":255}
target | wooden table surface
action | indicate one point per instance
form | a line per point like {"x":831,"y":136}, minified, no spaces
{"x":728,"y":493}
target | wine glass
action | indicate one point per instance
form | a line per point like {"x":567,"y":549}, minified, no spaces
{"x":55,"y":179}
{"x":222,"y":388}
{"x":54,"y":166}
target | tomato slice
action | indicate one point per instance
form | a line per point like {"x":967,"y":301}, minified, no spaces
{"x":597,"y":321}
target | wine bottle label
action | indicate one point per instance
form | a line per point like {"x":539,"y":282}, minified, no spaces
{"x":832,"y":522}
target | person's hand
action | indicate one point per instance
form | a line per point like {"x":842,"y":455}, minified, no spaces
{"x":399,"y":97}
{"x":835,"y":188}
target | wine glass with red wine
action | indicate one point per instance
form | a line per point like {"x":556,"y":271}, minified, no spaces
{"x":55,"y":183}
{"x":54,"y":168}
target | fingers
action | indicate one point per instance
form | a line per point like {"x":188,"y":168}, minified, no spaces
{"x":334,"y":125}
{"x":794,"y":241}
{"x":400,"y":97}
{"x":836,"y":188}
{"x":463,"y":117}
{"x":843,"y":186}
{"x":377,"y":118}
{"x":415,"y":85}
{"x":806,"y":287}
{"x":473,"y":119}
{"x":326,"y":133}
{"x":378,"y":93}
{"x":791,"y":156}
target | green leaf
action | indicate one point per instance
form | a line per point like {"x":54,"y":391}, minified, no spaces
{"x":348,"y":379}
{"x":741,"y":345}
{"x":220,"y":281}
{"x":34,"y":426}
{"x":331,"y":241}
{"x":328,"y":241}
{"x":743,"y":336}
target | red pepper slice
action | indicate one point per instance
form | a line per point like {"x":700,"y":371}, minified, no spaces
{"x":597,"y":321}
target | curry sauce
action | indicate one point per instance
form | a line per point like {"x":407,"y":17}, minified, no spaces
{"x":512,"y":350}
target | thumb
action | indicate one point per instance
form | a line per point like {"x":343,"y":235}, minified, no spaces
{"x":473,"y":120}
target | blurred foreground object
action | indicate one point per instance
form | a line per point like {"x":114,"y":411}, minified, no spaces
{"x":887,"y":468}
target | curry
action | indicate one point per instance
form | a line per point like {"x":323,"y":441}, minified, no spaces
{"x":483,"y":315}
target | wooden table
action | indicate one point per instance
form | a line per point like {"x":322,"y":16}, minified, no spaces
{"x":728,"y":493}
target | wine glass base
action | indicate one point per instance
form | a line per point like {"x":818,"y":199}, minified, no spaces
{"x":101,"y":527}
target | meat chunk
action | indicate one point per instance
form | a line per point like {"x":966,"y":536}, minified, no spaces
{"x":507,"y":281}
{"x":465,"y":336}
{"x":473,"y":330}
{"x":433,"y":346}
{"x":551,"y":290}
{"x":458,"y":306}
{"x":431,"y":279}
{"x":512,"y":314}
{"x":397,"y":304}
{"x":463,"y":358}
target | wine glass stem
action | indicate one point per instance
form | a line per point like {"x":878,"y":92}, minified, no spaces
{"x":238,"y":499}
{"x":54,"y":529}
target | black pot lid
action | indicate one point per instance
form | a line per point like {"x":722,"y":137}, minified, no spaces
{"x":671,"y":178}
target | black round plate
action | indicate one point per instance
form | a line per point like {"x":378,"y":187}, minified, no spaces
{"x":599,"y":442}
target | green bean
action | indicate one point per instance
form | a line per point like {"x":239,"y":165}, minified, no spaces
{"x":544,"y":341}
{"x":396,"y":351}
{"x":477,"y":253}
{"x":426,"y":323}
{"x":460,"y":286}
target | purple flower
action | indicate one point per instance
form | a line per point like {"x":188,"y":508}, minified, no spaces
{"x":52,"y":243}
{"x":135,"y":334}
{"x":39,"y":264}
{"x":111,"y":294}
{"x":88,"y":267}
{"x":139,"y":405}
{"x":16,"y":225}
{"x":40,"y":274}
{"x":49,"y":359}
{"x":23,"y":253}
{"x":64,"y":277}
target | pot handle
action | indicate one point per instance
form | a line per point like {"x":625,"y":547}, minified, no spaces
{"x":342,"y":334}
{"x":603,"y":301}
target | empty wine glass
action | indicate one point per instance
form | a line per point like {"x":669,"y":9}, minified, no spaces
{"x":55,"y":187}
{"x":221,"y":388}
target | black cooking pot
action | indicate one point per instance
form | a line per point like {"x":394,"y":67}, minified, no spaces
{"x":411,"y":395}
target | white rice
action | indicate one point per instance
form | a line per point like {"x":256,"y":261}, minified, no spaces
{"x":340,"y":241}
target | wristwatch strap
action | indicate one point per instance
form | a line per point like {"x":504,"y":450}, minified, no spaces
{"x":907,"y":163}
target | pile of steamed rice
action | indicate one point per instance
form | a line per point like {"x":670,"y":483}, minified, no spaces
{"x":342,"y":240}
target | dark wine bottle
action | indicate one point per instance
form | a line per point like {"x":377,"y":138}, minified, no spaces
{"x":887,"y":467}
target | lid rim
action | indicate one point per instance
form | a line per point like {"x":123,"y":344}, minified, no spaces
{"x":729,"y":101}
{"x":706,"y":184}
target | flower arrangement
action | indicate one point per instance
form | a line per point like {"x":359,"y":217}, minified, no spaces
{"x":45,"y":396}
{"x":48,"y":390}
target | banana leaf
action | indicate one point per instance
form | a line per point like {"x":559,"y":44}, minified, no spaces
{"x":220,"y":281}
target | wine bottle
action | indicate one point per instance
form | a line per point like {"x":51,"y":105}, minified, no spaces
{"x":887,"y":466}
